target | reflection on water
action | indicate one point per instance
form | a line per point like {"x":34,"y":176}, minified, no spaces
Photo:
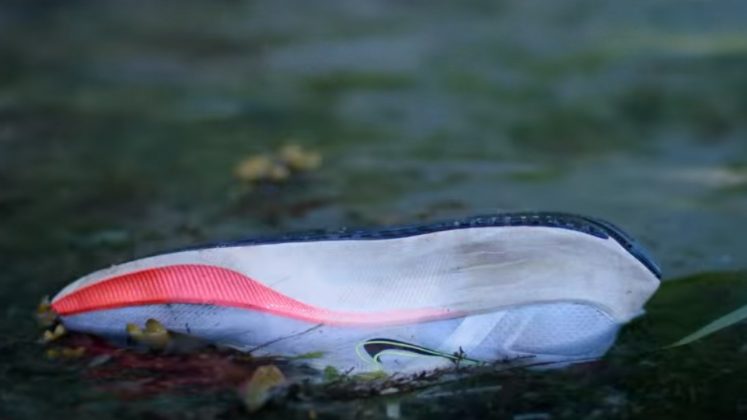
{"x":121,"y":125}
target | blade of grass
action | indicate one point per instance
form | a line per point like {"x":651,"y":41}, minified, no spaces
{"x":715,"y":326}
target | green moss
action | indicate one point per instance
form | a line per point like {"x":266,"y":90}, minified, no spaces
{"x":682,"y":306}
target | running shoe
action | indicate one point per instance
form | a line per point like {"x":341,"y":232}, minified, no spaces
{"x":542,"y":288}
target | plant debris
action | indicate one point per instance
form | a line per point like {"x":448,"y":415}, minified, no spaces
{"x":154,"y":336}
{"x":54,"y":334}
{"x":257,"y":391}
{"x":68,"y":353}
{"x":46,"y":316}
{"x":278,"y":167}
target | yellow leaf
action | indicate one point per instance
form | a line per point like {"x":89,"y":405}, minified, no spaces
{"x":256,"y":392}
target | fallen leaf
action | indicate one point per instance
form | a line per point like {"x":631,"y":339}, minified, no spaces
{"x":257,"y":391}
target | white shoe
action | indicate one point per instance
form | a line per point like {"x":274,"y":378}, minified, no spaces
{"x":544,"y":287}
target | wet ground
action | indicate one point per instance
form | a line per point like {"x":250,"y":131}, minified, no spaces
{"x":121,"y":124}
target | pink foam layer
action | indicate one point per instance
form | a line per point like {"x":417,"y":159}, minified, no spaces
{"x":212,"y":285}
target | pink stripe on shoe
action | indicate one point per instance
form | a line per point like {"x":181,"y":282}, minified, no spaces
{"x":211,"y":285}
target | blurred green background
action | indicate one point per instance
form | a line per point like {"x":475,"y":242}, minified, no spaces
{"x":121,"y":123}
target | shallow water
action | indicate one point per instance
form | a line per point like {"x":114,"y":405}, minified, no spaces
{"x":121,"y":123}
